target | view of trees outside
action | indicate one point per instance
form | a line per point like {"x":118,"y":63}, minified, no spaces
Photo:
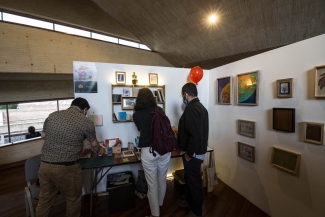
{"x":23,"y":115}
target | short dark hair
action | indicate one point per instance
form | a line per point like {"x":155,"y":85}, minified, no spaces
{"x":31,"y":129}
{"x":81,"y":103}
{"x":145,"y":100}
{"x":190,"y":89}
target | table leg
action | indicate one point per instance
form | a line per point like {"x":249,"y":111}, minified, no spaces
{"x":91,"y":192}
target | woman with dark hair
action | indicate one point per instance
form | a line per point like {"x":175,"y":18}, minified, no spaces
{"x":155,"y":168}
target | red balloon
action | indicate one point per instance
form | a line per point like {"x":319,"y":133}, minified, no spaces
{"x":196,"y":74}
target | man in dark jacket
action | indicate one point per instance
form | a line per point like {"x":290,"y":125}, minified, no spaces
{"x":192,"y":139}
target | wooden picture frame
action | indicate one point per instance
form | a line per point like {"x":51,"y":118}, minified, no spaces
{"x":128,"y":103}
{"x":153,"y":78}
{"x":320,"y":81}
{"x":120,"y":77}
{"x":247,"y":88}
{"x":285,"y":160}
{"x":246,"y":151}
{"x":314,"y":133}
{"x":224,"y":90}
{"x":284,"y":119}
{"x":246,"y":128}
{"x":284,"y":88}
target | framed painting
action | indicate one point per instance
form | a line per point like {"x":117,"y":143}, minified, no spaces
{"x":128,"y":103}
{"x":285,"y":160}
{"x":246,"y":128}
{"x":284,"y":119}
{"x":313,"y":133}
{"x":247,"y":88}
{"x":284,"y":88}
{"x":120,"y":77}
{"x":320,"y":81}
{"x":224,"y":87}
{"x":246,"y":151}
{"x":153,"y":78}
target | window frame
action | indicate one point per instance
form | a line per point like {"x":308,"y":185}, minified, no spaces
{"x":8,"y":118}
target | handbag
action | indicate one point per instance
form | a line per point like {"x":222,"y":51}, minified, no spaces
{"x":212,"y":179}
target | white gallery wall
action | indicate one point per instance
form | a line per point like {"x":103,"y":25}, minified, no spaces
{"x":172,"y":78}
{"x":274,"y":191}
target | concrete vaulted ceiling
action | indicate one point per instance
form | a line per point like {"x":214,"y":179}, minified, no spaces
{"x":179,"y":31}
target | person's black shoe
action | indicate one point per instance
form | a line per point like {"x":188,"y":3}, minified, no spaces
{"x":182,"y":202}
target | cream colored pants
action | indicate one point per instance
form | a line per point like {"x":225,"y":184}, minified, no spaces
{"x":155,"y":169}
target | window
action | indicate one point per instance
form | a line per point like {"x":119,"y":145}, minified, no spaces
{"x":23,"y":115}
{"x":4,"y":139}
{"x":128,"y":43}
{"x":64,"y":104}
{"x":27,"y":21}
{"x":104,"y":38}
{"x":144,"y":47}
{"x":71,"y":30}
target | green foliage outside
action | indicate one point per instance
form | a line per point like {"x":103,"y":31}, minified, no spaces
{"x":11,"y":106}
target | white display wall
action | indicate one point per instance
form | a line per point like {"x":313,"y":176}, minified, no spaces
{"x":172,"y":78}
{"x":274,"y":191}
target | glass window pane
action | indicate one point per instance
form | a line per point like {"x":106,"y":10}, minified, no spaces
{"x":128,"y":43}
{"x":64,"y":104}
{"x":4,"y":137}
{"x":71,"y":30}
{"x":104,"y":38}
{"x":27,"y":21}
{"x":24,"y":115}
{"x":144,"y":47}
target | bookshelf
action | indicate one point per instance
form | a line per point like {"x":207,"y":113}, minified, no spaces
{"x":130,"y":92}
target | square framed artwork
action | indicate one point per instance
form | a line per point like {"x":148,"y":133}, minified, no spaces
{"x":246,"y":151}
{"x":120,"y":77}
{"x":285,"y":160}
{"x":128,"y":103}
{"x":313,"y":133}
{"x":224,"y":87}
{"x":153,"y":78}
{"x":246,"y":128}
{"x":284,"y":119}
{"x":284,"y":88}
{"x":247,"y":88}
{"x":320,"y":81}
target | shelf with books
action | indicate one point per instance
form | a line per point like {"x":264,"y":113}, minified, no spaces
{"x":124,"y":96}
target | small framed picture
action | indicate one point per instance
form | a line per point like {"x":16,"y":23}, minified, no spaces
{"x":128,"y":153}
{"x":247,"y":88}
{"x":320,"y":81}
{"x":246,"y":128}
{"x":128,"y":103}
{"x":284,"y":88}
{"x":286,"y":160}
{"x":153,"y":78}
{"x":314,"y":132}
{"x":246,"y":151}
{"x":284,"y":119}
{"x":224,"y":88}
{"x":120,"y":77}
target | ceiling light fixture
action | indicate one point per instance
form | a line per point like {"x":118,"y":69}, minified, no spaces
{"x":212,"y":18}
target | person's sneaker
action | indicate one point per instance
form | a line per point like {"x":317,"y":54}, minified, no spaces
{"x":182,"y":202}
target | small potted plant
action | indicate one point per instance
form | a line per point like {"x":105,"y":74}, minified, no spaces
{"x":134,"y":78}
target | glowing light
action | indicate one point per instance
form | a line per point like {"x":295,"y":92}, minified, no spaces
{"x":212,"y":18}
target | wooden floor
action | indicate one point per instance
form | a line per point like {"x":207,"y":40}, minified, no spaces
{"x":222,"y":202}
